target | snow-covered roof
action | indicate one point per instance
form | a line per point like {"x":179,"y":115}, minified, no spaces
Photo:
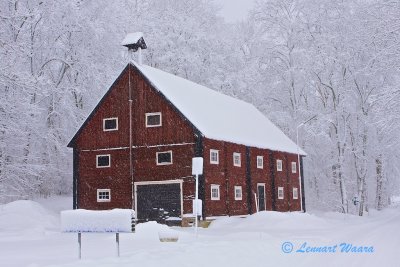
{"x":218,"y":116}
{"x":132,"y":38}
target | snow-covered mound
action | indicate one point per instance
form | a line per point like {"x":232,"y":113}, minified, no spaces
{"x":26,"y":215}
{"x":272,"y":220}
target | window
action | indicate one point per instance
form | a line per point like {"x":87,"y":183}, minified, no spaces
{"x":103,"y":195}
{"x":110,"y":124}
{"x":279,"y":165}
{"x":103,"y":161}
{"x":260,"y":162}
{"x":214,"y":192}
{"x":280,"y":192}
{"x":238,"y":193}
{"x":164,"y":158}
{"x":236,"y":159}
{"x":295,"y":193}
{"x":294,"y":167}
{"x":214,"y":156}
{"x":153,"y":119}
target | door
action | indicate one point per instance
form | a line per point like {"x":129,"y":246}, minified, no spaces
{"x":261,"y":196}
{"x":158,"y":201}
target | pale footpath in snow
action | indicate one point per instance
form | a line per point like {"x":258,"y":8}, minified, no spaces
{"x":30,"y":235}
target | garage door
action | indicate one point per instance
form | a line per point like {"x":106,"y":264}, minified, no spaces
{"x":158,"y":198}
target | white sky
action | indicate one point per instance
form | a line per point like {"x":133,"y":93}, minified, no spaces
{"x":234,"y":10}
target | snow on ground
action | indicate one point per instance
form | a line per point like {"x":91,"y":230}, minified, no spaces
{"x":30,"y":236}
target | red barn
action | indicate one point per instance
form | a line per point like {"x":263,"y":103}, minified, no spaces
{"x":135,"y":151}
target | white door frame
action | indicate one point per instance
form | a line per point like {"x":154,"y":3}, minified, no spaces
{"x":177,"y":181}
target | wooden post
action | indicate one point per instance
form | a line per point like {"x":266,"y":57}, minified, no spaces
{"x":80,"y":244}
{"x":117,"y":240}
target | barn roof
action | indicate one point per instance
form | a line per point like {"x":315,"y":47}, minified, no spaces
{"x":218,"y":116}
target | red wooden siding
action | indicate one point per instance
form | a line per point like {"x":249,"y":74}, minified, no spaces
{"x":116,"y":178}
{"x":262,"y":176}
{"x":227,"y":176}
{"x":176,"y":134}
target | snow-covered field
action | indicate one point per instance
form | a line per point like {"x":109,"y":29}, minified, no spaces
{"x":30,"y":236}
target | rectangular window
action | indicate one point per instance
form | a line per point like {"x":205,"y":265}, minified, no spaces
{"x":214,"y":156}
{"x":214,"y":192}
{"x":103,"y":195}
{"x":103,"y":161}
{"x":110,"y":124}
{"x":236,"y":159}
{"x":164,"y":158}
{"x":260,"y":162}
{"x":294,"y":167}
{"x":238,"y":193}
{"x":153,"y":119}
{"x":280,"y":192}
{"x":279,"y":165}
{"x":295,"y":193}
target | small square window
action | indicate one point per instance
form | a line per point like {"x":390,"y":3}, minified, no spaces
{"x":153,"y":119}
{"x":279,"y":165}
{"x":215,"y":192}
{"x":280,"y":192}
{"x":238,"y":193}
{"x":110,"y":124}
{"x":214,"y":156}
{"x":295,"y":193}
{"x":294,"y":167}
{"x":164,"y":158}
{"x":103,"y":161}
{"x":236,"y":159}
{"x":260,"y":162}
{"x":103,"y":195}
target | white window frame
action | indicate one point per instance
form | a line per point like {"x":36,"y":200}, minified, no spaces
{"x":237,"y":196}
{"x":279,"y":165}
{"x":104,"y":124}
{"x":262,"y":162}
{"x":211,"y":160}
{"x":104,"y":191}
{"x":153,"y":114}
{"x":281,"y":194}
{"x":294,"y":167}
{"x":103,"y":155}
{"x":236,"y":154}
{"x":163,"y":163}
{"x":215,"y":186}
{"x":295,"y":196}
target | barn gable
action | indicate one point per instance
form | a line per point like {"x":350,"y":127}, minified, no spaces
{"x":136,"y":77}
{"x":72,"y":143}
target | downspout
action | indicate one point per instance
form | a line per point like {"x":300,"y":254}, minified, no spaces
{"x":248,"y":182}
{"x":227,"y":202}
{"x":130,"y":137}
{"x":303,"y":199}
{"x":272,"y":170}
{"x":75,"y":162}
{"x":287,"y":184}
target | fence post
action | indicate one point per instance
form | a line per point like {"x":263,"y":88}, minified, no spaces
{"x":117,"y":240}
{"x":80,"y":244}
